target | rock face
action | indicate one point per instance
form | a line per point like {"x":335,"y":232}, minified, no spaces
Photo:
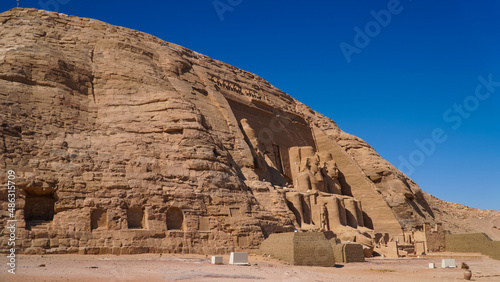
{"x":123,"y":143}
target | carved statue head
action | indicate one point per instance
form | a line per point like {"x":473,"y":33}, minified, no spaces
{"x":332,"y":170}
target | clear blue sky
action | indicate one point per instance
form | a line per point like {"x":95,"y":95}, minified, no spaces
{"x":395,"y":90}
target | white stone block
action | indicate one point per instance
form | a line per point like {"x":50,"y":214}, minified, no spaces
{"x":238,"y":258}
{"x":216,"y":260}
{"x":432,"y":265}
{"x":448,"y":263}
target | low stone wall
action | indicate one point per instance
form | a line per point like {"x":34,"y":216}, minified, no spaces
{"x":473,"y":243}
{"x":338,"y":253}
{"x":309,"y":248}
{"x":312,"y":249}
{"x":349,"y":252}
{"x":279,"y":245}
{"x":353,"y":253}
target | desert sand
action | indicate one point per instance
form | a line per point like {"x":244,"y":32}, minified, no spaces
{"x":153,"y":267}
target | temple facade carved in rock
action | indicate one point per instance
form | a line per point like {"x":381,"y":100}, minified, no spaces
{"x":123,"y":143}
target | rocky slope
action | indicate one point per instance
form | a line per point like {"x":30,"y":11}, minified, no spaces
{"x":122,"y":142}
{"x":458,"y":218}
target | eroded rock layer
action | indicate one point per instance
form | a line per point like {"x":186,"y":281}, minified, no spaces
{"x":124,"y":143}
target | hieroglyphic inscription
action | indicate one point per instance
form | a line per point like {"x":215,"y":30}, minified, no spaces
{"x":229,"y":85}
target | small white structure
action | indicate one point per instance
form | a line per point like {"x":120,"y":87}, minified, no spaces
{"x":432,"y":265}
{"x":216,"y":260}
{"x":238,"y":258}
{"x":448,"y":263}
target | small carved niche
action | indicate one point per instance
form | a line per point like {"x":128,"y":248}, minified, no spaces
{"x":98,"y":219}
{"x":204,"y":224}
{"x":243,"y":241}
{"x":135,"y":218}
{"x":38,"y":210}
{"x":235,"y":212}
{"x":175,"y":218}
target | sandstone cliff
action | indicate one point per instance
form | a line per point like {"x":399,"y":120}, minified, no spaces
{"x":122,"y":142}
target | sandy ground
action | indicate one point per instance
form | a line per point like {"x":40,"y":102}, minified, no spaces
{"x":153,"y":267}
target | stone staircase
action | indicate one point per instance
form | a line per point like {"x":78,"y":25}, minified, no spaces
{"x":38,"y":225}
